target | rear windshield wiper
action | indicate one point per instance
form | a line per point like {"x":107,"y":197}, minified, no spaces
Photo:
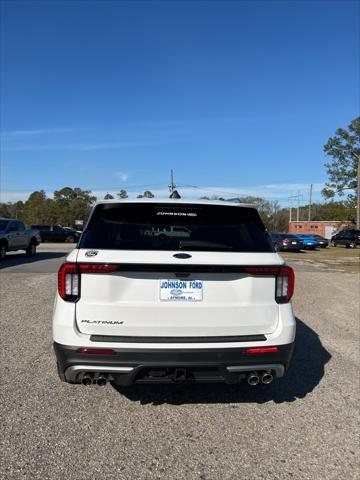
{"x":200,"y":245}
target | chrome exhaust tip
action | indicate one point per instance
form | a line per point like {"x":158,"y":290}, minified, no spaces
{"x":253,"y":378}
{"x":266,"y":378}
{"x":102,"y":380}
{"x":87,"y":379}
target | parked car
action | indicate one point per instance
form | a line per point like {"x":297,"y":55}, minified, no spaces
{"x":286,"y":242}
{"x":323,"y":242}
{"x":348,"y":238}
{"x":57,"y":233}
{"x":14,"y":236}
{"x":310,"y":242}
{"x":134,"y":308}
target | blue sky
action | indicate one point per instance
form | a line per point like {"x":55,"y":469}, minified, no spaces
{"x":237,"y":97}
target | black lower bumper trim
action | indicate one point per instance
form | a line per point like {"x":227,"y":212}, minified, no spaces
{"x":126,"y":339}
{"x":159,"y":365}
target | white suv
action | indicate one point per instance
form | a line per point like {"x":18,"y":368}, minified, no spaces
{"x":210,"y":307}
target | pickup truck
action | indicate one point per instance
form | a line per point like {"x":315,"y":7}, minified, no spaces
{"x":14,"y":236}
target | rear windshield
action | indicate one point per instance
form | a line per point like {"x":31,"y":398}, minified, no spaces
{"x":151,"y":226}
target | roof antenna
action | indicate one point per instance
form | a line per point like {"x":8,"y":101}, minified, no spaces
{"x":172,"y":187}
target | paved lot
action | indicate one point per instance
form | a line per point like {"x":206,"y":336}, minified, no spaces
{"x":304,"y":426}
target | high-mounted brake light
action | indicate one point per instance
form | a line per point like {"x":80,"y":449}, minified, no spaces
{"x":285,"y":280}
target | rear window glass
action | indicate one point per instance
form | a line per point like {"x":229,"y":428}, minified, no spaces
{"x":175,"y":227}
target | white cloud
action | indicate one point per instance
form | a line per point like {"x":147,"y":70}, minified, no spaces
{"x":82,"y":147}
{"x":122,"y":176}
{"x":20,"y":134}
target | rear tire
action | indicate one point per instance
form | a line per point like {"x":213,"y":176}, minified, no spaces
{"x":352,"y":245}
{"x":2,"y":251}
{"x":31,"y":250}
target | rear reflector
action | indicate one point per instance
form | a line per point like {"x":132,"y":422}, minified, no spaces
{"x":96,"y":351}
{"x":260,"y":350}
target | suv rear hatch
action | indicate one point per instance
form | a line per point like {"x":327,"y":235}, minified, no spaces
{"x":220,"y":281}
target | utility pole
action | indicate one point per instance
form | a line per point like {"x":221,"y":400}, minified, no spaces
{"x":172,"y":185}
{"x":290,"y":216}
{"x":310,"y":198}
{"x":297,"y":197}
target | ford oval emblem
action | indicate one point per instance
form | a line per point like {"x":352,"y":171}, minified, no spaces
{"x":176,"y":292}
{"x":182,"y":255}
{"x":91,"y":253}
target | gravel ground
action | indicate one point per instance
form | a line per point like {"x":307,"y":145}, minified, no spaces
{"x":303,"y":426}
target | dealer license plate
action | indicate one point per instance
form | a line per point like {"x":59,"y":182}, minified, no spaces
{"x":181,"y":290}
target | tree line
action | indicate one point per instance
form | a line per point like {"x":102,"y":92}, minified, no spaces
{"x":71,"y":204}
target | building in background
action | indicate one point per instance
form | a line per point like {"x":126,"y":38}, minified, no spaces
{"x":324,"y":228}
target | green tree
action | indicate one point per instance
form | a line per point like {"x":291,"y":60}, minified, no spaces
{"x":148,"y":194}
{"x":342,"y":170}
{"x":72,"y":204}
{"x":37,"y":208}
{"x":108,"y":196}
{"x":122,"y":194}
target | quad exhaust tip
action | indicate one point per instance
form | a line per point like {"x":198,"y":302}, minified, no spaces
{"x":87,"y":379}
{"x":253,"y":378}
{"x":266,"y":378}
{"x":102,"y":380}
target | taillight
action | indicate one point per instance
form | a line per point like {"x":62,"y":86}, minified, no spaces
{"x":69,"y":277}
{"x":285,"y":280}
{"x":69,"y":282}
{"x":98,"y":267}
{"x":284,"y":288}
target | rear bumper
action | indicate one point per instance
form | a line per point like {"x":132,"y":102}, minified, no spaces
{"x":129,"y":366}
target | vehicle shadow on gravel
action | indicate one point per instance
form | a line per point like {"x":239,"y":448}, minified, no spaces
{"x":305,"y":373}
{"x":16,"y":259}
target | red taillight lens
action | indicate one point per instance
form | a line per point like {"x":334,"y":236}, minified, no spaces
{"x":260,"y":350}
{"x":69,"y":282}
{"x":98,"y":267}
{"x":262,"y":271}
{"x":96,"y":351}
{"x":69,"y":277}
{"x":285,"y":280}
